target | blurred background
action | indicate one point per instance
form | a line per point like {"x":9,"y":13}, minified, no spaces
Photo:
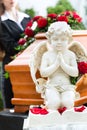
{"x":42,"y":7}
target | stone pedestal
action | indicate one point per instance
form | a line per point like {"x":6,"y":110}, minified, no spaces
{"x":22,"y":84}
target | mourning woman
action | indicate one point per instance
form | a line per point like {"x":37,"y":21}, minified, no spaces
{"x":12,"y":25}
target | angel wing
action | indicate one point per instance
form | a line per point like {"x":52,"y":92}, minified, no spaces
{"x":81,"y":54}
{"x":34,"y":64}
{"x":79,"y":50}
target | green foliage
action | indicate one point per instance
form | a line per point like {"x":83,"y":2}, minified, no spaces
{"x":61,"y":6}
{"x":78,"y":26}
{"x":6,"y":75}
{"x":23,"y":47}
{"x":73,"y":80}
{"x":30,"y":12}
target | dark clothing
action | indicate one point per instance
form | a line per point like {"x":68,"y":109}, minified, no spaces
{"x":10,"y":34}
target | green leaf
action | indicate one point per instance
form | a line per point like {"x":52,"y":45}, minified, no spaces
{"x":6,"y":75}
{"x":73,"y":80}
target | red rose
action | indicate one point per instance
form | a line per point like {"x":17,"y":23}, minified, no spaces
{"x":29,"y":32}
{"x":36,"y":18}
{"x":67,"y":13}
{"x":62,"y":18}
{"x":52,"y":16}
{"x":79,"y":109}
{"x":21,"y":41}
{"x":82,"y":66}
{"x":30,"y":23}
{"x":42,"y":22}
{"x":35,"y":110}
{"x":43,"y":111}
{"x":61,"y":110}
{"x":77,"y":17}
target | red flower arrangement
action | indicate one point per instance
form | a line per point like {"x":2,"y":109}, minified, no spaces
{"x":61,"y":110}
{"x":21,"y":41}
{"x":82,"y":67}
{"x":29,"y":32}
{"x":41,"y":24}
{"x":39,"y":110}
{"x":79,"y":109}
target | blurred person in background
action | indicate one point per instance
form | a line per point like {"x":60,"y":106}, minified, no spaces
{"x":12,"y":25}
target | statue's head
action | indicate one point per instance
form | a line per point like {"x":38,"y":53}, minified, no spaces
{"x":59,"y":29}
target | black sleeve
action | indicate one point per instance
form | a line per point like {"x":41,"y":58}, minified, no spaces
{"x":1,"y":46}
{"x":8,"y":41}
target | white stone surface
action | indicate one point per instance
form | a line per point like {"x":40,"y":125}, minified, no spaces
{"x":69,"y":119}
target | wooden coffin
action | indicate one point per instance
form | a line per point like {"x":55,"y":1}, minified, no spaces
{"x":22,"y":84}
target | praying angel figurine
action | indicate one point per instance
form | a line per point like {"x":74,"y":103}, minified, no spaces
{"x":56,"y":63}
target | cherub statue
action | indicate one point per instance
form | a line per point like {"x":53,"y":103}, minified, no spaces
{"x":56,"y":62}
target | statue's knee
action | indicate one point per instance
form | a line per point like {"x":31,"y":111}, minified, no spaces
{"x":53,"y":104}
{"x":67,"y":102}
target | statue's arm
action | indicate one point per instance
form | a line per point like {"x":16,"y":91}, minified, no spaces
{"x":71,"y":68}
{"x":47,"y":69}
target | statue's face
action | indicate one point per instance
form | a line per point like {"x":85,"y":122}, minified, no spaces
{"x":59,"y":42}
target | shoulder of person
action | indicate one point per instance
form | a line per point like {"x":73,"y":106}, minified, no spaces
{"x":3,"y":17}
